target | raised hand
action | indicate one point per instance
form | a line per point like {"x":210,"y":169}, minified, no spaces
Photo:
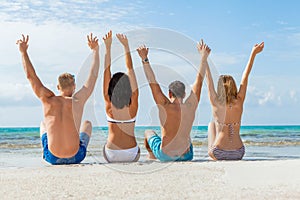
{"x":258,"y":48}
{"x":93,"y":42}
{"x":108,"y":39}
{"x":143,"y":52}
{"x":23,"y":43}
{"x":123,"y":39}
{"x":203,"y":49}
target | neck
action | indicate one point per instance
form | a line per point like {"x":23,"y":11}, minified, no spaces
{"x":177,"y":100}
{"x":66,"y":94}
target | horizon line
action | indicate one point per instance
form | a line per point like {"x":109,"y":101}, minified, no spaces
{"x":201,"y":125}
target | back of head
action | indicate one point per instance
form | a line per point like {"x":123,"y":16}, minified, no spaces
{"x":66,"y":81}
{"x":119,"y":90}
{"x":227,"y":90}
{"x":177,"y":89}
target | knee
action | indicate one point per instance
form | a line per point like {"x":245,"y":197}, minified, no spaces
{"x":149,"y":133}
{"x":211,"y":125}
{"x":87,"y":123}
{"x":42,"y":125}
{"x":87,"y":127}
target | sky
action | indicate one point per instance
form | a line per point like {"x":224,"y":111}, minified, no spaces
{"x":57,"y":44}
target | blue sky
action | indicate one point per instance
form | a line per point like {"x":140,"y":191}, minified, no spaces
{"x":58,"y":29}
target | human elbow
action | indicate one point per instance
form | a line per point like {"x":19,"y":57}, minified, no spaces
{"x":28,"y":76}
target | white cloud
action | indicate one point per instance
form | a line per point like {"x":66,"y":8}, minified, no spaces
{"x":76,"y":12}
{"x":227,"y":59}
{"x":17,"y":95}
{"x":263,"y":91}
{"x":57,"y":30}
{"x":267,"y":97}
{"x":57,"y":43}
{"x":263,"y":96}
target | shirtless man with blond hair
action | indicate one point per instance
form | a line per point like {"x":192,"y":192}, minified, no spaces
{"x":64,"y":139}
{"x":176,"y":116}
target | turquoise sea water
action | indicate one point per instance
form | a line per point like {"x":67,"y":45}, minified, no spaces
{"x":262,"y":142}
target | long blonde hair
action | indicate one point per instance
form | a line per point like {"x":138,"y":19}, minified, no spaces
{"x":227,"y":90}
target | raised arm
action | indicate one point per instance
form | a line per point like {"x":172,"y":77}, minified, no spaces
{"x":130,"y":71}
{"x":107,"y":63}
{"x":158,"y":96}
{"x":39,"y":89}
{"x":210,"y":83}
{"x":243,"y":87}
{"x":194,"y":97}
{"x":85,"y":92}
{"x":212,"y":94}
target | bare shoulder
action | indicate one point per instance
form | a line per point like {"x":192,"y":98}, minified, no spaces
{"x":51,"y":105}
{"x":49,"y":100}
{"x":59,"y":100}
{"x":167,"y":104}
{"x":239,"y":100}
{"x":190,"y":105}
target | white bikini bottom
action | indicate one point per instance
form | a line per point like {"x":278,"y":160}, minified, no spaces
{"x":122,"y":155}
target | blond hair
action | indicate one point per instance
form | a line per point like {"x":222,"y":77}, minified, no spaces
{"x":227,"y":90}
{"x":66,"y":80}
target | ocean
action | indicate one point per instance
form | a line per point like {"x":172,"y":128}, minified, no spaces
{"x":20,"y":147}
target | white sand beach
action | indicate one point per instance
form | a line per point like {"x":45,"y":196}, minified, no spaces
{"x":247,"y":179}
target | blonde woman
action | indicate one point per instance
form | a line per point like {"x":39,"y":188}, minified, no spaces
{"x":224,"y":141}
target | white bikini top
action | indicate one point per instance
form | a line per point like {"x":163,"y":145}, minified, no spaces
{"x":111,"y":120}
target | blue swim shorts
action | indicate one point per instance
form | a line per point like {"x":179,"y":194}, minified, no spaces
{"x":80,"y":155}
{"x":155,"y":145}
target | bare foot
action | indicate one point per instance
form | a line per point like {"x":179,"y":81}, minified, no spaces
{"x":151,"y":156}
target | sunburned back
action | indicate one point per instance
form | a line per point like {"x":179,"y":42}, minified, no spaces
{"x":227,"y":121}
{"x":176,"y":121}
{"x":121,"y":130}
{"x":62,"y":133}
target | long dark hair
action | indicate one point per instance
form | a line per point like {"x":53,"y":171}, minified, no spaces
{"x":119,"y":90}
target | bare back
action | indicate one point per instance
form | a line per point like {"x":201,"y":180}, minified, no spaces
{"x":228,"y":121}
{"x":227,"y":118}
{"x":176,"y":124}
{"x":176,"y":117}
{"x":121,"y":135}
{"x":62,"y":114}
{"x":61,"y":125}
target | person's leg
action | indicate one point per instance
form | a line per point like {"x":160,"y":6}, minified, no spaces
{"x":86,"y":127}
{"x":137,"y":156}
{"x":85,"y":133}
{"x":211,"y":138}
{"x":84,"y":136}
{"x":47,"y":155}
{"x":149,"y":134}
{"x":43,"y":136}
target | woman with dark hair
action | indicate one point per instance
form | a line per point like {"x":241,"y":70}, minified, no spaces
{"x":224,"y":141}
{"x":121,"y":104}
